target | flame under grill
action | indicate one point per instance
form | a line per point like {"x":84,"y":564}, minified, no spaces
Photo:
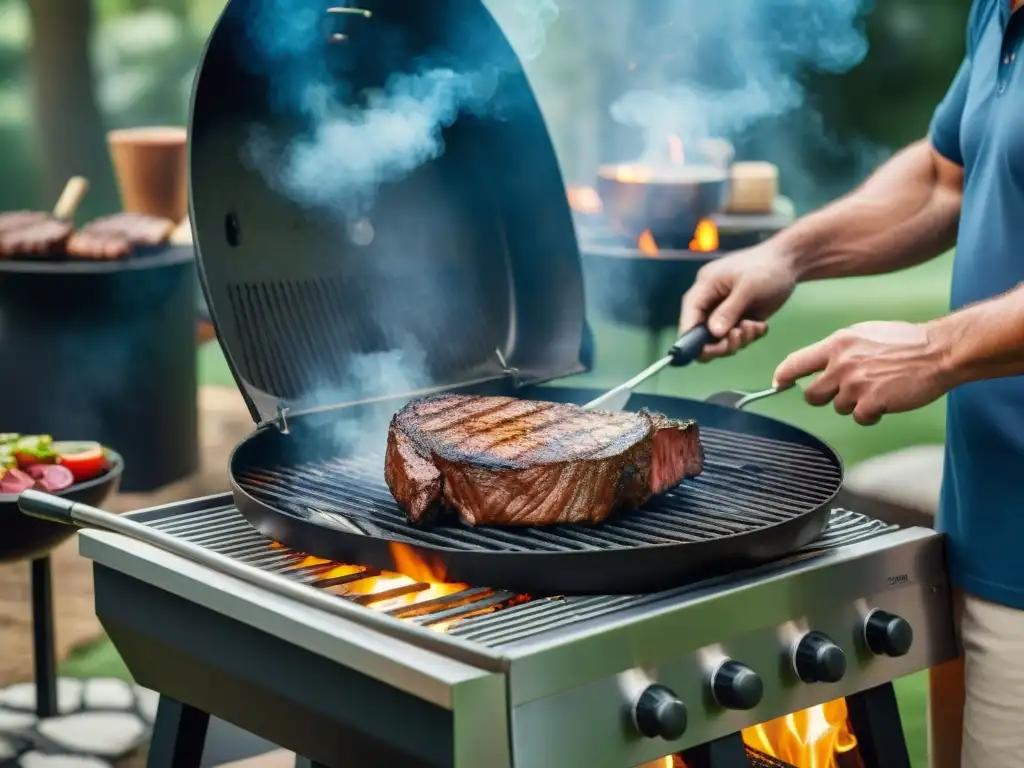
{"x":748,"y":483}
{"x":490,"y":617}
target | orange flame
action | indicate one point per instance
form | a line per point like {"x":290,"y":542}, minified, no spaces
{"x":811,"y":738}
{"x":409,"y":563}
{"x":646,"y":244}
{"x":414,"y":581}
{"x":705,"y":237}
{"x":672,"y":761}
{"x":412,"y":571}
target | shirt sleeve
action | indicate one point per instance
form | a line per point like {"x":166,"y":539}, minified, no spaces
{"x":945,"y":127}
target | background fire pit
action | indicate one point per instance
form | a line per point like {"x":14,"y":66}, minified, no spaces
{"x":105,"y":351}
{"x":640,"y":284}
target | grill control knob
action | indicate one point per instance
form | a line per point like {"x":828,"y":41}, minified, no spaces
{"x":660,"y":713}
{"x":817,"y":659}
{"x":886,"y":634}
{"x":736,"y":686}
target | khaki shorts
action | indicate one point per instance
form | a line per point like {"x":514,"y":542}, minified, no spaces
{"x":976,"y":704}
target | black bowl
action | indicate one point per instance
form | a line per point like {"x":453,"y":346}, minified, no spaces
{"x":27,"y":538}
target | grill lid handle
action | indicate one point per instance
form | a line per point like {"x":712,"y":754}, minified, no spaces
{"x":53,"y":509}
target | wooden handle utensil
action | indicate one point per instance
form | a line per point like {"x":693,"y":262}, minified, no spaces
{"x":67,"y":204}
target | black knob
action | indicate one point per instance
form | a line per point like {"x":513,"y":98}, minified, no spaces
{"x":736,"y":686}
{"x":817,"y":659}
{"x":660,"y":713}
{"x":887,"y":634}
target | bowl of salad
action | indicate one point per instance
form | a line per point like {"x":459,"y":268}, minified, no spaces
{"x":79,"y":470}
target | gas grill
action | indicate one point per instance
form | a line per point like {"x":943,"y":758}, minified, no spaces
{"x":349,"y":666}
{"x":305,"y":609}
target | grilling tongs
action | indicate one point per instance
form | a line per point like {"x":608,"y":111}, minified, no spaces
{"x":682,"y":353}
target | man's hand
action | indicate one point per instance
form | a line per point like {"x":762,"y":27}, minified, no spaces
{"x":872,"y":369}
{"x":736,"y":294}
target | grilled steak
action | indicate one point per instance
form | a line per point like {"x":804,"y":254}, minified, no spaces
{"x":504,"y":461}
{"x":117,"y":236}
{"x":31,"y":234}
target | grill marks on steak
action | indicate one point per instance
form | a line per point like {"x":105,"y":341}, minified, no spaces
{"x":505,"y":461}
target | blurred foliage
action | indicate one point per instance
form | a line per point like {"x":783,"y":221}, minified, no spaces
{"x":145,"y":53}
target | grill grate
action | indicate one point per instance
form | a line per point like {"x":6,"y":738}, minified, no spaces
{"x":748,"y":483}
{"x":487,"y":616}
{"x":760,"y":760}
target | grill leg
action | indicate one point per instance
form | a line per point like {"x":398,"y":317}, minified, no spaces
{"x":179,"y":735}
{"x":875,"y":718}
{"x":42,"y":639}
{"x":726,"y":752}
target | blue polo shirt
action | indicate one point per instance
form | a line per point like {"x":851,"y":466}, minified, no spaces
{"x":980,"y":125}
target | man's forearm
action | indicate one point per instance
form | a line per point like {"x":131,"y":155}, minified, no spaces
{"x":906,"y":213}
{"x":983,"y":341}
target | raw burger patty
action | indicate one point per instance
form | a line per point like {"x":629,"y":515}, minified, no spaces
{"x":505,"y":461}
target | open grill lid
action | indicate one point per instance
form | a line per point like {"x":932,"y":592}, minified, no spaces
{"x":377,"y":206}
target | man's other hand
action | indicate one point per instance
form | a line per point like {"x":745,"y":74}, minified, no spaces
{"x":870,"y":369}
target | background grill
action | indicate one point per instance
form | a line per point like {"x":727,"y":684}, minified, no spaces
{"x":487,"y":616}
{"x":748,"y":483}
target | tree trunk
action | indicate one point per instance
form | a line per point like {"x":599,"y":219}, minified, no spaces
{"x":68,"y":124}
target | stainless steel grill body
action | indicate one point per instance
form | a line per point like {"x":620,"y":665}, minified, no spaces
{"x":553,"y":680}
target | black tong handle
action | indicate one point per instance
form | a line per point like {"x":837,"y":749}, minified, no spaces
{"x":690,"y":345}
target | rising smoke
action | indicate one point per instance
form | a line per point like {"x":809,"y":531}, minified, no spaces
{"x":710,"y":68}
{"x":354,"y":146}
{"x":354,"y":143}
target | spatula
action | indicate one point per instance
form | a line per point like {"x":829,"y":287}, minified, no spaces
{"x":683,"y":352}
{"x":734,"y":398}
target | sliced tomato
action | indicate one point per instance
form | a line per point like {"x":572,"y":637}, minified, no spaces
{"x":85,"y":460}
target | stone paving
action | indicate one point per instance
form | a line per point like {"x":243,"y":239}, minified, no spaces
{"x":100,"y":723}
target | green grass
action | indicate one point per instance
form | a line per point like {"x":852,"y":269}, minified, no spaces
{"x":815,"y":311}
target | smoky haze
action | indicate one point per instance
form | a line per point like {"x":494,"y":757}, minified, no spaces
{"x":696,"y":69}
{"x":728,"y":65}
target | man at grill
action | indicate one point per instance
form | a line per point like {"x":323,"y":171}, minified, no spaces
{"x":968,"y":175}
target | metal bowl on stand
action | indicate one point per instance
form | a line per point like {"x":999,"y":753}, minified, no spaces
{"x":668,"y":202}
